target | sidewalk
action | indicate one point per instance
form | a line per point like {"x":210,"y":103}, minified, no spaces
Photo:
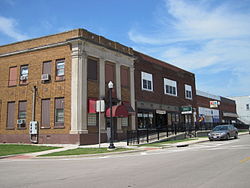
{"x":105,"y":145}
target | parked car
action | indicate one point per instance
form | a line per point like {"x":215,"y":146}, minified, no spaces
{"x":223,"y":132}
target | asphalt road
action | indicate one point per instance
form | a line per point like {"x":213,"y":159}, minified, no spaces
{"x":211,"y":164}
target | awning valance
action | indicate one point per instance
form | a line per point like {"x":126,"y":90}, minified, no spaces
{"x":230,"y":114}
{"x":118,"y":111}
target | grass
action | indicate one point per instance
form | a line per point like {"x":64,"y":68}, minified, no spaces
{"x":11,"y":149}
{"x":85,"y":151}
{"x":160,"y":144}
{"x":243,"y":130}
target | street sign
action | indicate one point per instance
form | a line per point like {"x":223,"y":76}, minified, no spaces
{"x":100,"y":106}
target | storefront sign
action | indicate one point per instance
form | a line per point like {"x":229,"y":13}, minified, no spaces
{"x":161,"y":112}
{"x":214,"y":104}
{"x":186,"y":110}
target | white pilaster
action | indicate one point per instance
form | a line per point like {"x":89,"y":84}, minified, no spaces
{"x":102,"y":89}
{"x":118,"y":92}
{"x":78,"y":90}
{"x":132,"y":95}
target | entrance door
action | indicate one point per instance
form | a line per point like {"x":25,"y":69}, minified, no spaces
{"x":160,"y":120}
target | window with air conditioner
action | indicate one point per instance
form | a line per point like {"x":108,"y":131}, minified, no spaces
{"x":22,"y":114}
{"x":24,"y":72}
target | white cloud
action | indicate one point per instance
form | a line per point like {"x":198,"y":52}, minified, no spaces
{"x":202,"y":36}
{"x":8,"y":27}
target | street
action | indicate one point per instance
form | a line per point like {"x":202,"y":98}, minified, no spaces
{"x":208,"y":164}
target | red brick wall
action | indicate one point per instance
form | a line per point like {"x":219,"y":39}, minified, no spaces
{"x":159,"y":72}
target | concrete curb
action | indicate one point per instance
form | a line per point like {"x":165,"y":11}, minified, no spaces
{"x":88,"y":155}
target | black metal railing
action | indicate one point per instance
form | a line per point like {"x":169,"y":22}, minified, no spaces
{"x":151,"y":134}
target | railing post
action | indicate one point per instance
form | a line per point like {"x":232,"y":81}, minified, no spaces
{"x":127,"y":138}
{"x":167,"y":130}
{"x":147,"y":136}
{"x":138,"y":136}
{"x":158,"y":134}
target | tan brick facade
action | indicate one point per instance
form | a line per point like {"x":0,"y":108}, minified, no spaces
{"x":51,"y":48}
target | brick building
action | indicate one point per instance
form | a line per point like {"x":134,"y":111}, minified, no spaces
{"x":215,"y":109}
{"x":165,"y":94}
{"x":55,"y":80}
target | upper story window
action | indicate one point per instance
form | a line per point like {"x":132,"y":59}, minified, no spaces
{"x":46,"y":72}
{"x":60,"y":69}
{"x":92,"y":69}
{"x":188,"y":91}
{"x":24,"y":72}
{"x":170,"y":87}
{"x":125,"y":77}
{"x":12,"y":76}
{"x":147,"y":81}
{"x":247,"y":107}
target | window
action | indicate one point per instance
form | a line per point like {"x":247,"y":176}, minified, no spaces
{"x":22,"y":114}
{"x":24,"y":71}
{"x":188,"y":91}
{"x":110,"y":76}
{"x":47,"y":67}
{"x":147,"y":81}
{"x":11,"y":115}
{"x":247,"y":106}
{"x":124,"y":77}
{"x":170,"y":87}
{"x":45,"y":122}
{"x":12,"y":76}
{"x":59,"y":112}
{"x":109,"y":72}
{"x":92,"y":120}
{"x":60,"y":68}
{"x":92,"y":69}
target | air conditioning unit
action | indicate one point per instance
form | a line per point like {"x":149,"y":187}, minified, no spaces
{"x":23,"y":78}
{"x":21,"y":121}
{"x":45,"y":77}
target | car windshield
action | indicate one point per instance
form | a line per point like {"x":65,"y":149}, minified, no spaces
{"x":220,"y":128}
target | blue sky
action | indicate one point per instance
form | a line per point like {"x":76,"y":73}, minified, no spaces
{"x":210,"y":38}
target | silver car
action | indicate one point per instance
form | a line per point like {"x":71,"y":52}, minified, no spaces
{"x":223,"y":132}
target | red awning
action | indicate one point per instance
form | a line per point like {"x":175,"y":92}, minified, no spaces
{"x":117,"y":111}
{"x":129,"y":107}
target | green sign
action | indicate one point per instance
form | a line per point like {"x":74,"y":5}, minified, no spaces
{"x":186,"y":108}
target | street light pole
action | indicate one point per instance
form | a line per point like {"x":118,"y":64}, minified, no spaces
{"x":110,"y":86}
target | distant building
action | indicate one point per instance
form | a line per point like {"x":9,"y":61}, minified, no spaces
{"x":243,"y":108}
{"x":206,"y":112}
{"x":215,"y":109}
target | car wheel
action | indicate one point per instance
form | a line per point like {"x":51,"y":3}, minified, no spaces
{"x":227,"y":137}
{"x":210,"y":139}
{"x":236,"y":135}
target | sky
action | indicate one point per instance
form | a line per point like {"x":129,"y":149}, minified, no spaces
{"x":210,"y":38}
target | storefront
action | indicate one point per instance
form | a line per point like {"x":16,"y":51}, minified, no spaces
{"x":152,"y":115}
{"x":186,"y":114}
{"x":229,"y":117}
{"x":208,"y":115}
